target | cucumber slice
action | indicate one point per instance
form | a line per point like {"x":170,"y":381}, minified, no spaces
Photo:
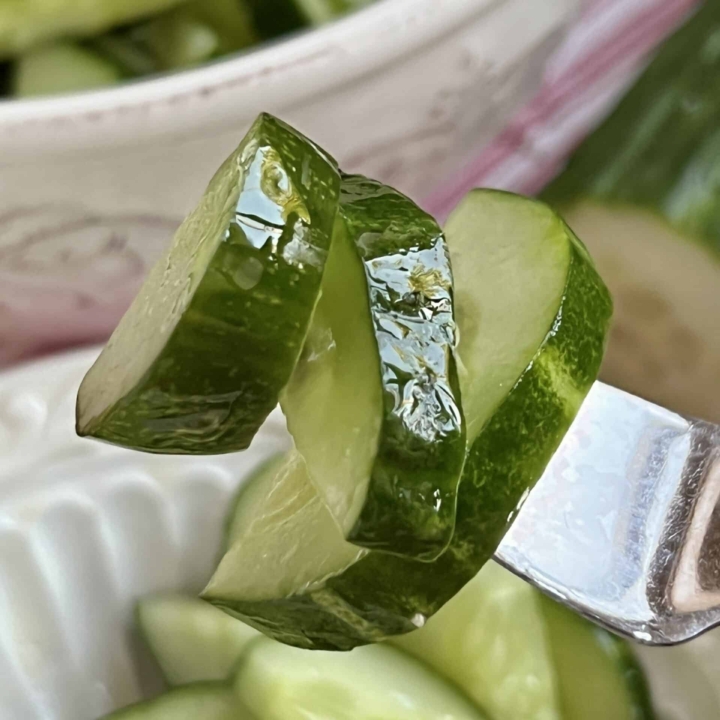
{"x":381,"y":347}
{"x":209,"y":701}
{"x":62,"y":68}
{"x":532,"y":315}
{"x":190,"y":639}
{"x":29,"y":22}
{"x":643,"y":192}
{"x":281,"y":683}
{"x":491,"y":641}
{"x":598,"y":676}
{"x":198,"y":361}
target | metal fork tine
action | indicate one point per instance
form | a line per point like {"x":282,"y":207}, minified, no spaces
{"x":624,"y":525}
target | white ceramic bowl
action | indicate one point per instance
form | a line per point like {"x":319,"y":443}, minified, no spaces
{"x":92,"y":185}
{"x":86,"y":529}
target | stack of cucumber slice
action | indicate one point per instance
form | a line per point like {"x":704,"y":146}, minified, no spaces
{"x":644,"y":193}
{"x":427,"y":378}
{"x":498,"y":651}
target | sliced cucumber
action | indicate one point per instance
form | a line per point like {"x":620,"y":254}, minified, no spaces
{"x":382,"y":348}
{"x":27,"y":23}
{"x":281,"y":683}
{"x":491,"y":641}
{"x":643,"y":193}
{"x":61,"y":68}
{"x":598,"y":677}
{"x":209,"y":701}
{"x":532,"y":314}
{"x":190,"y":639}
{"x":198,"y":361}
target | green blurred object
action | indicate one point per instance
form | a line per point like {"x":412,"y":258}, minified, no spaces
{"x":27,"y":23}
{"x":61,"y":68}
{"x":598,"y":676}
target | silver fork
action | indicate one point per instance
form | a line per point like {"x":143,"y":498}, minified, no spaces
{"x":624,"y":525}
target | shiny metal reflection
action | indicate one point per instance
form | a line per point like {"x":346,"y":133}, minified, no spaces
{"x":624,"y":525}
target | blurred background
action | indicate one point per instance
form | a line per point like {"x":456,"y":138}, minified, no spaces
{"x":114,"y":115}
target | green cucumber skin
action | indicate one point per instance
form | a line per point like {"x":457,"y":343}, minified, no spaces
{"x":361,"y":605}
{"x":239,"y":344}
{"x":419,"y":459}
{"x":660,"y":148}
{"x":615,"y":649}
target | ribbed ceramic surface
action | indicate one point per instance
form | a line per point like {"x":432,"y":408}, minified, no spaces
{"x":86,"y":529}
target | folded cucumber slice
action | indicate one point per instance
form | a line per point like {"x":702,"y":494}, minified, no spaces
{"x":199,"y":360}
{"x":209,"y":701}
{"x":62,"y":68}
{"x":191,"y":639}
{"x":378,"y":375}
{"x":277,"y":682}
{"x":491,"y":641}
{"x":532,"y":315}
{"x":598,"y":676}
{"x":642,"y":192}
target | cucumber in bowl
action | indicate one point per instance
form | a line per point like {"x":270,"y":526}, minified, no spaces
{"x":644,"y":193}
{"x":532,"y":315}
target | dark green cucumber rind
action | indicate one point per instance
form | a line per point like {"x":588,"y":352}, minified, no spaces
{"x":660,"y":149}
{"x":362,"y":605}
{"x":617,"y":650}
{"x":224,"y":365}
{"x":410,"y":505}
{"x":219,"y":699}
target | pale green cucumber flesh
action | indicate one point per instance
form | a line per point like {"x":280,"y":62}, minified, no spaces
{"x":190,"y":639}
{"x":250,"y":494}
{"x":200,"y":358}
{"x":598,"y":677}
{"x":381,"y":348}
{"x":665,"y":338}
{"x":490,"y":640}
{"x":282,"y":683}
{"x":209,"y":701}
{"x":61,"y":68}
{"x":532,"y":331}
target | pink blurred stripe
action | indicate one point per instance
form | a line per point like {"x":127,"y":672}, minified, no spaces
{"x":600,"y":58}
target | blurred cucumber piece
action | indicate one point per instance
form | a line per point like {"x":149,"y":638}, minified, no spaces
{"x":133,"y":58}
{"x":277,"y":682}
{"x":277,"y":17}
{"x":598,"y":676}
{"x":491,"y":641}
{"x":178,"y":39}
{"x":209,"y":701}
{"x":25,"y":23}
{"x":190,"y":639}
{"x":61,"y":68}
